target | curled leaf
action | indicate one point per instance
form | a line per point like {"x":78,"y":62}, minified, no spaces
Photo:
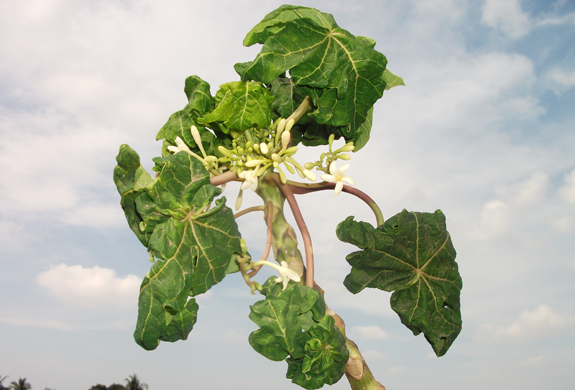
{"x":192,"y":241}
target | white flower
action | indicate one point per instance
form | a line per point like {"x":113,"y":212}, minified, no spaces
{"x":286,"y":273}
{"x":182,"y":147}
{"x":337,"y":176}
{"x":250,"y":179}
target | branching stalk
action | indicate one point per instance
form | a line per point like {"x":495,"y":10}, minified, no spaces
{"x":224,"y":178}
{"x":305,"y":188}
{"x":249,"y":210}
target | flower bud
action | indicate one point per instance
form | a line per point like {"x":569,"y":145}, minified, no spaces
{"x":281,"y":126}
{"x":289,"y":124}
{"x":286,"y":135}
{"x":239,"y":204}
{"x":309,"y":174}
{"x":264,"y":148}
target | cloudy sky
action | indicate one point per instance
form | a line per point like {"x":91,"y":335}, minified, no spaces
{"x":484,"y":130}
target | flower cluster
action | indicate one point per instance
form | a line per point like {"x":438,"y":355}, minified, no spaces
{"x":261,"y":156}
{"x":251,"y":158}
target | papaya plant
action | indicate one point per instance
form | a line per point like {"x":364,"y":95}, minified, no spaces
{"x":312,"y":83}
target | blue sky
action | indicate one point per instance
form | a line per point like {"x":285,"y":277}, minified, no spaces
{"x":484,"y":130}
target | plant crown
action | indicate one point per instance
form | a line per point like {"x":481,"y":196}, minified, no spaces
{"x":312,"y":83}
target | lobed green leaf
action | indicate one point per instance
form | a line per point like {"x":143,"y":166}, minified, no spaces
{"x":324,"y":359}
{"x":192,"y":241}
{"x":294,"y":325}
{"x":275,"y":21}
{"x":200,"y":102}
{"x":412,"y":255}
{"x":239,"y":106}
{"x":342,"y":73}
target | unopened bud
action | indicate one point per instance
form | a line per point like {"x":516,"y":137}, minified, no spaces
{"x":238,"y":205}
{"x":264,"y":148}
{"x":281,"y":126}
{"x":289,"y":124}
{"x":289,"y":168}
{"x":309,"y":174}
{"x":286,"y":135}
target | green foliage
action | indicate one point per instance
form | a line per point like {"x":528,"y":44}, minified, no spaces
{"x":192,"y":241}
{"x":200,"y":102}
{"x":21,"y":384}
{"x":411,"y":255}
{"x":342,"y":73}
{"x":294,"y":325}
{"x":239,"y":106}
{"x":326,"y":81}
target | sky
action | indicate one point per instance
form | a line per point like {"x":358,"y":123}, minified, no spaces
{"x":483,"y":130}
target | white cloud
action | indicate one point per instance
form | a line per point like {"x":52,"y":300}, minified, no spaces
{"x":567,"y":191}
{"x":36,"y":323}
{"x":90,"y":288}
{"x":540,"y":323}
{"x":372,"y":332}
{"x":563,"y":224}
{"x":554,"y":20}
{"x":495,"y":219}
{"x":507,"y":16}
{"x":560,"y":80}
{"x":528,"y":191}
{"x":534,"y":361}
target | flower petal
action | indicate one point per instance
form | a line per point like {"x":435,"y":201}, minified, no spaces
{"x":329,"y":178}
{"x":338,"y":188}
{"x":342,"y":170}
{"x":333,"y":169}
{"x":348,"y":180}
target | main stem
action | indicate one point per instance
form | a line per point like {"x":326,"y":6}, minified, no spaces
{"x":284,"y":239}
{"x":284,"y":245}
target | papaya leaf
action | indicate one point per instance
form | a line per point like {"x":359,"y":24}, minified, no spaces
{"x":294,"y":326}
{"x":130,"y":179}
{"x":345,"y":70}
{"x":200,"y":101}
{"x":362,"y":134}
{"x":276,"y":20}
{"x":412,"y":255}
{"x":192,"y":241}
{"x":391,"y":80}
{"x":280,"y":334}
{"x":324,"y":359}
{"x":239,"y":106}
